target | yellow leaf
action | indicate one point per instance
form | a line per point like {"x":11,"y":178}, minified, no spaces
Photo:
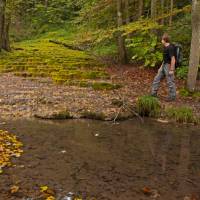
{"x":43,"y":188}
{"x":14,"y":189}
{"x":50,"y":198}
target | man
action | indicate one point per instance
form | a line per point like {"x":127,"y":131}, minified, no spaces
{"x":167,"y":69}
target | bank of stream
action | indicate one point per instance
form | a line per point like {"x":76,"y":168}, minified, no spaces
{"x":100,"y":160}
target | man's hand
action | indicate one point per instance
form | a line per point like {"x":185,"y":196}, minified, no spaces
{"x":171,"y":72}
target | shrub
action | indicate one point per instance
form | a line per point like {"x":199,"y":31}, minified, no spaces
{"x":181,"y":114}
{"x":148,"y":106}
{"x":182,"y":72}
{"x":144,"y":47}
{"x":184,"y":92}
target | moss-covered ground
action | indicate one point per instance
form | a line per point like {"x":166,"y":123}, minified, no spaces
{"x":41,"y":58}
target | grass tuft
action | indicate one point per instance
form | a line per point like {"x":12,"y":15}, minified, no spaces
{"x":181,"y":114}
{"x":148,"y":106}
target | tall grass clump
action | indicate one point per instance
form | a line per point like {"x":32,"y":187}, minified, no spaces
{"x":182,"y":114}
{"x":148,"y":106}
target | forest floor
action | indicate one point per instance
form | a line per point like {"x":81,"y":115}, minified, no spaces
{"x":47,"y":80}
{"x":28,"y":97}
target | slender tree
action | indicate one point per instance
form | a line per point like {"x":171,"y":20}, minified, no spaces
{"x":195,"y":46}
{"x":46,"y":3}
{"x":126,"y":2}
{"x":153,"y":9}
{"x":121,"y":41}
{"x":5,"y":20}
{"x":2,"y":21}
{"x":140,"y":8}
{"x":162,"y":2}
{"x":171,"y":12}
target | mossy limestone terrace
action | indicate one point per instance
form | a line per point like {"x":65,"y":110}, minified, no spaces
{"x":40,"y":58}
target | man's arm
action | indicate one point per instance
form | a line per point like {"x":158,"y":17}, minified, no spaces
{"x":173,"y":62}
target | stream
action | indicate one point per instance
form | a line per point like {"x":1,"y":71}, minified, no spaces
{"x":104,"y":161}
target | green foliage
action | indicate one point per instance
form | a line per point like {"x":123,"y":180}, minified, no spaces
{"x":185,"y":93}
{"x":181,"y":114}
{"x":96,"y":26}
{"x":105,"y":49}
{"x":148,"y":106}
{"x":144,"y":47}
{"x":181,"y":33}
{"x":182,"y":72}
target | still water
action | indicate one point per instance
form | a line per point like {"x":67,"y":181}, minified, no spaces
{"x":100,"y":160}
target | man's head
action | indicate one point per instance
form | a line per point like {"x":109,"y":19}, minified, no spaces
{"x":165,"y":39}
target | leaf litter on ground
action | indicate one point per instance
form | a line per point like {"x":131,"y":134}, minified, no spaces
{"x":9,"y":147}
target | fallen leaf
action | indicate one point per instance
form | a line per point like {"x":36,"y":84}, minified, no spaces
{"x":43,"y":188}
{"x":51,"y":198}
{"x":14,"y":189}
{"x":146,"y":191}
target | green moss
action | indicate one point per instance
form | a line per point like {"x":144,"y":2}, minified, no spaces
{"x":38,"y":57}
{"x":148,"y":106}
{"x":95,"y":75}
{"x":78,"y":74}
{"x":62,"y":115}
{"x":23,"y":74}
{"x":84,"y":84}
{"x":181,"y":114}
{"x":105,"y":86}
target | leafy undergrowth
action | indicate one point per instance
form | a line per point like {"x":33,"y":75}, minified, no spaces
{"x":185,"y":93}
{"x":41,"y":58}
{"x":9,"y":147}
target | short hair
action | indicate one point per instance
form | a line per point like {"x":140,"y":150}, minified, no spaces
{"x":166,"y":37}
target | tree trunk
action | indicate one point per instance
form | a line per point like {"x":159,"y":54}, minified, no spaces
{"x":121,"y":41}
{"x":195,"y":46}
{"x":140,"y":8}
{"x":162,"y":2}
{"x":126,"y":2}
{"x":153,"y":9}
{"x":6,"y":40}
{"x":46,"y":3}
{"x":4,"y":27}
{"x":2,"y":20}
{"x":171,"y":12}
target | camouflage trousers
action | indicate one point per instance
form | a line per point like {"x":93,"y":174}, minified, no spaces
{"x":164,"y":72}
